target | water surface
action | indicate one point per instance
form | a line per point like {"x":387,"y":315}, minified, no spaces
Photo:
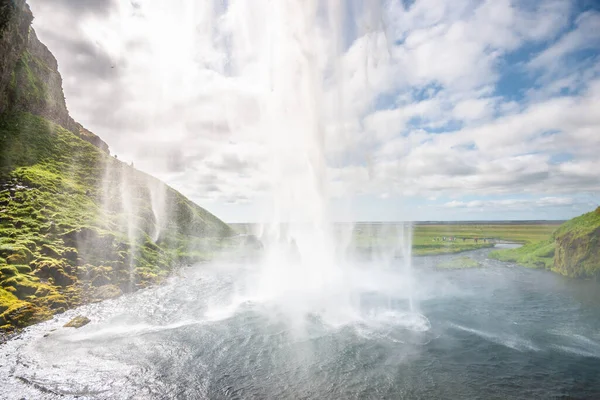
{"x":496,"y":332}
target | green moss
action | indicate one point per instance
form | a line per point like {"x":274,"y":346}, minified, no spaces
{"x":8,"y":271}
{"x":23,"y":269}
{"x":66,"y":216}
{"x":534,"y":255}
{"x":52,"y":301}
{"x":582,"y":225}
{"x":573,"y":250}
{"x":21,"y":314}
{"x":26,"y":86}
{"x":17,"y":258}
{"x":578,"y":247}
{"x":7,"y":300}
{"x":50,"y":251}
{"x":23,"y":285}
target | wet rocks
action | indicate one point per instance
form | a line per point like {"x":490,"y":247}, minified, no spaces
{"x":77,"y":322}
{"x":107,"y":292}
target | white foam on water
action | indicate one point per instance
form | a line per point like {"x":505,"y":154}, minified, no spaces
{"x":505,"y":339}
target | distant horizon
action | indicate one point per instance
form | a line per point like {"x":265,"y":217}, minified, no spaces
{"x":428,"y":222}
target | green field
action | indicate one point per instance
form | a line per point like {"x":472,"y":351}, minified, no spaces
{"x":424,"y":236}
{"x":428,"y":239}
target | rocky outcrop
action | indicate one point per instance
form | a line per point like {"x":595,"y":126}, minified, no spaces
{"x":77,"y":322}
{"x":573,"y":250}
{"x":15,"y":20}
{"x":577,"y":244}
{"x":91,"y":138}
{"x":29,"y":77}
{"x":37,"y":85}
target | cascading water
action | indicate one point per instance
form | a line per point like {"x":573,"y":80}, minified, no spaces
{"x":294,"y":59}
{"x":128,"y":219}
{"x":157,"y":201}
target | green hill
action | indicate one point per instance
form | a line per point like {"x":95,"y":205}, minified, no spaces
{"x":76,"y":225}
{"x":573,"y":250}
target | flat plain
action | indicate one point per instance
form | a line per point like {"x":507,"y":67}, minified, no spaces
{"x":437,"y":237}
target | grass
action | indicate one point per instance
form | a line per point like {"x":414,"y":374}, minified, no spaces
{"x":534,"y":255}
{"x":72,"y":218}
{"x":578,"y":246}
{"x":572,"y":250}
{"x":461,"y":262}
{"x":428,"y":239}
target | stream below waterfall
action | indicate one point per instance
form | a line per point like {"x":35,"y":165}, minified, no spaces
{"x":495,"y":332}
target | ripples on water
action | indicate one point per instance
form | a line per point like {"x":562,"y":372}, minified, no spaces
{"x":496,"y":332}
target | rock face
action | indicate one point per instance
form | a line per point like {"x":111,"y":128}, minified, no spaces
{"x":15,"y":20}
{"x":91,"y":138}
{"x":573,"y":250}
{"x":37,"y":85}
{"x":577,"y":243}
{"x":29,"y":77}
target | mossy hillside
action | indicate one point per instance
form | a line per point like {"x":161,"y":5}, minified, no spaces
{"x":573,"y":250}
{"x":578,"y":246}
{"x":73,"y":219}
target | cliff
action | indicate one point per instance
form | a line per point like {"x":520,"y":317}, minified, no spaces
{"x":15,"y":21}
{"x":573,"y":250}
{"x":29,"y":77}
{"x":578,"y":246}
{"x":76,"y":225}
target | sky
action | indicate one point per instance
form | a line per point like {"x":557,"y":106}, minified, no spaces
{"x":419,"y":110}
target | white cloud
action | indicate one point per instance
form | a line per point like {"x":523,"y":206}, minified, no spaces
{"x":210,"y":99}
{"x":474,"y":109}
{"x":586,"y":35}
{"x":512,"y":204}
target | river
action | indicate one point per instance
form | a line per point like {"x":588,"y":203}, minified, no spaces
{"x":495,"y":332}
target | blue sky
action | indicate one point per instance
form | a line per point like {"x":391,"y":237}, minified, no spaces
{"x":433,"y":110}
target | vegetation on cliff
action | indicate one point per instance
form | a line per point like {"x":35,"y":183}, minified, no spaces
{"x":78,"y":225}
{"x":573,"y":250}
{"x":15,"y":21}
{"x":578,"y":246}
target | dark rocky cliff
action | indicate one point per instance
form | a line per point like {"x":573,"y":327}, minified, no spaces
{"x":15,"y":21}
{"x":36,"y":86}
{"x":29,"y":77}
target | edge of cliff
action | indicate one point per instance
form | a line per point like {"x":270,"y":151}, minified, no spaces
{"x":573,"y":250}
